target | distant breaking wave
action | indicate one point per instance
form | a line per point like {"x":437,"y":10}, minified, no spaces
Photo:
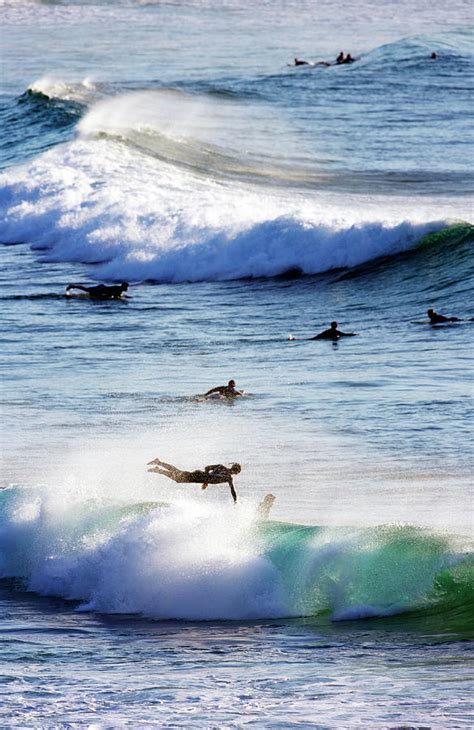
{"x":137,"y":222}
{"x":150,"y":190}
{"x":202,"y":562}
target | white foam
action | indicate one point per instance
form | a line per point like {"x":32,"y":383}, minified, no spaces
{"x":56,"y":88}
{"x":207,"y":560}
{"x":96,"y":201}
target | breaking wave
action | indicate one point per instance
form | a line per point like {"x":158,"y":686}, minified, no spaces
{"x":190,"y":561}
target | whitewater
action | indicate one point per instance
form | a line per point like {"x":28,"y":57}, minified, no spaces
{"x":249,"y":203}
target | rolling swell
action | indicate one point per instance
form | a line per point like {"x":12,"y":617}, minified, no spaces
{"x":186,"y":562}
{"x":33,"y":123}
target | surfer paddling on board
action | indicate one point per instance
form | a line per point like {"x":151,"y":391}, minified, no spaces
{"x":101,"y":291}
{"x":228,"y":391}
{"x":212,"y":474}
{"x":299,"y":62}
{"x":333,"y":333}
{"x":436,"y":318}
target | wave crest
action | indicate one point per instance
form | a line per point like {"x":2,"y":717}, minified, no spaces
{"x":203,"y":562}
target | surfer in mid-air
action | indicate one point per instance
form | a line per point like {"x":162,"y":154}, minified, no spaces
{"x":436,"y":318}
{"x":227,"y":391}
{"x":333,"y":333}
{"x":212,"y":474}
{"x":101,"y":291}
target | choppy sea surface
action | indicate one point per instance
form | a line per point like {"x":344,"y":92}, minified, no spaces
{"x":248,"y":202}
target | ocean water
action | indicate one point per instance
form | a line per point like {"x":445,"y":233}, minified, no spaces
{"x":249,"y":203}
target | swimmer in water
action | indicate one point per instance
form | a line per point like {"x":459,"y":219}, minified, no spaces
{"x":228,"y":391}
{"x":332,"y":334}
{"x":299,"y":62}
{"x":212,"y":474}
{"x":101,"y":291}
{"x":348,"y":59}
{"x":340,"y":58}
{"x":436,"y":318}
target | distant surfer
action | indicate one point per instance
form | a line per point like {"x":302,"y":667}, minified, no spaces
{"x":434,"y":56}
{"x":265,"y":506}
{"x":436,"y":318}
{"x":101,"y":291}
{"x":299,"y":62}
{"x":227,"y":391}
{"x":341,"y":59}
{"x":212,"y":474}
{"x":333,"y":333}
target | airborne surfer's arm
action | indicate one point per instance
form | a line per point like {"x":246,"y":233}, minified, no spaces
{"x":211,"y":467}
{"x":232,"y":490}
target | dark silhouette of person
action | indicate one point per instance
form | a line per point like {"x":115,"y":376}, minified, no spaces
{"x":434,"y":56}
{"x":299,"y":62}
{"x":340,"y":58}
{"x":348,"y":59}
{"x":101,"y":291}
{"x":228,"y":391}
{"x":436,"y":318}
{"x":212,"y":474}
{"x":332,"y":333}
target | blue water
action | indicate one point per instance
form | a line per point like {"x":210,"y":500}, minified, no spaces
{"x":248,"y":203}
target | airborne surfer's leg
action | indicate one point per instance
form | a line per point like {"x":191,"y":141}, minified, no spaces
{"x":175,"y":474}
{"x":164,"y":465}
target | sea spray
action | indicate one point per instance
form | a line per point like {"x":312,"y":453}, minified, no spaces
{"x":205,"y":562}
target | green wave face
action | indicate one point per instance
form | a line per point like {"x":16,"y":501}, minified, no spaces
{"x":451,"y":236}
{"x":207,"y":562}
{"x":381,"y":571}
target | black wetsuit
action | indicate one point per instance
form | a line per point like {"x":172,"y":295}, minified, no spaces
{"x":332,"y":334}
{"x":436,"y":318}
{"x":101,"y":291}
{"x":213,"y":474}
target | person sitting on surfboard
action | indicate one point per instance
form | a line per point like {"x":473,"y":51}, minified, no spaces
{"x":332,"y":333}
{"x":212,"y":474}
{"x":101,"y":291}
{"x":228,"y":391}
